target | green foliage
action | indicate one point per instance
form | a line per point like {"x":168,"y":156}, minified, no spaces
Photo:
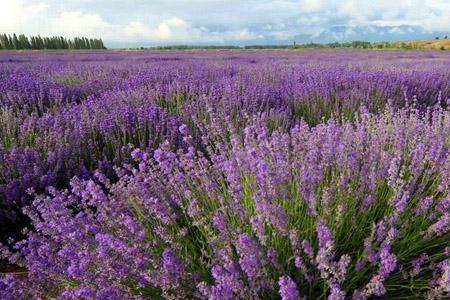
{"x":295,"y":45}
{"x":186,"y":47}
{"x":22,"y":42}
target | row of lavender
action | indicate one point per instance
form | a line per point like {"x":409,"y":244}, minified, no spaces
{"x":226,"y":175}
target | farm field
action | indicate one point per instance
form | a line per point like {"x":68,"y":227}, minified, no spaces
{"x":440,"y":44}
{"x":312,"y":174}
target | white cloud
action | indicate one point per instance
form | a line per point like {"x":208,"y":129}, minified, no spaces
{"x":137,"y":29}
{"x":312,"y":21}
{"x":21,"y":16}
{"x":312,"y":5}
{"x":239,"y":35}
{"x":173,"y":28}
{"x":18,"y":15}
{"x":281,"y":35}
{"x":396,"y":30}
{"x":76,"y":23}
{"x":220,"y":21}
{"x":177,"y":29}
{"x":342,"y":36}
{"x":432,"y":15}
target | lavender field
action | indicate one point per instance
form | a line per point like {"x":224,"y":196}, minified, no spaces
{"x":287,"y":175}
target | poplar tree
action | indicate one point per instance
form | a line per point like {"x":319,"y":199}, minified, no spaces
{"x":53,"y":43}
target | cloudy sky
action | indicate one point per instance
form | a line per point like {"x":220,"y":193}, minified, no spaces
{"x":162,"y":22}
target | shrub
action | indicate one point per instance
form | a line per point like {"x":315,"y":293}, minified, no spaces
{"x":336,"y":210}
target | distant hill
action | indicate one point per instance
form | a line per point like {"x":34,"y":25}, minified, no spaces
{"x":443,"y":44}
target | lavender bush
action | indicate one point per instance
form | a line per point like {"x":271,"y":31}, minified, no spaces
{"x":228,"y":175}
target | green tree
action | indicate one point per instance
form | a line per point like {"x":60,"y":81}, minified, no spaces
{"x":15,"y":42}
{"x":24,"y":42}
{"x":55,"y":42}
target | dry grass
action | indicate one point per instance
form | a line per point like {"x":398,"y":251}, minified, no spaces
{"x":443,"y":44}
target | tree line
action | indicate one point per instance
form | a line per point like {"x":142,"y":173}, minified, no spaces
{"x":22,"y":42}
{"x":352,"y":44}
{"x":192,"y":47}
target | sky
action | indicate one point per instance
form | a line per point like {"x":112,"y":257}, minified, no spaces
{"x":227,"y":22}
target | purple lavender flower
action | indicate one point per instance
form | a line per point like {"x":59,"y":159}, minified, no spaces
{"x":388,"y":261}
{"x":307,"y":248}
{"x":288,"y":288}
{"x":324,"y":235}
{"x":220,"y":174}
{"x":336,"y":293}
{"x":375,"y":287}
{"x":251,"y":257}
